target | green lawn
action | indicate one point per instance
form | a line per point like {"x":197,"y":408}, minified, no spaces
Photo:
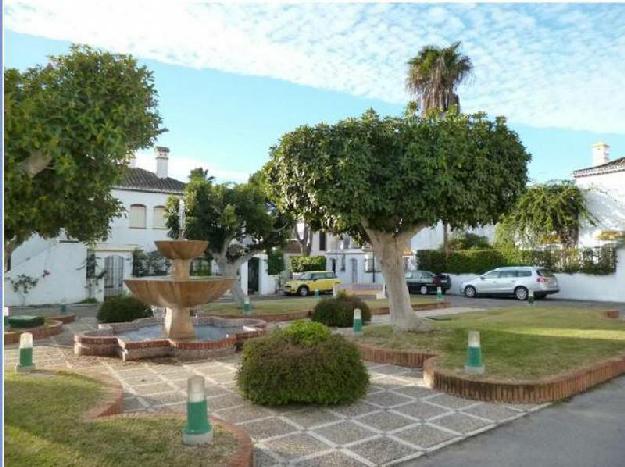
{"x":288,"y":305}
{"x":44,"y":426}
{"x":517,"y":343}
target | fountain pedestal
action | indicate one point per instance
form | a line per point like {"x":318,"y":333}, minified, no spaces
{"x":179,"y":292}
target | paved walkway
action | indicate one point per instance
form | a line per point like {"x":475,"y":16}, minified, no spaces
{"x":399,"y":420}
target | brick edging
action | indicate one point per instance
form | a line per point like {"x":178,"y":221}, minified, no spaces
{"x":546,"y":389}
{"x":51,"y":328}
{"x":65,"y":319}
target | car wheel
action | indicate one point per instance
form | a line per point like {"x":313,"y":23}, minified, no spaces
{"x":521,"y":293}
{"x":303,"y":291}
{"x":469,"y":291}
{"x":423,"y":290}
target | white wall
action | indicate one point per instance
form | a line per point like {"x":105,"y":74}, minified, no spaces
{"x":432,"y":237}
{"x":65,"y":263}
{"x":606,"y":200}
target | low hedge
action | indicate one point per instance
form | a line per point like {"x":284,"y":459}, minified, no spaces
{"x":339,"y":311}
{"x":596,"y":261}
{"x":303,"y":363}
{"x":308,"y":263}
{"x":124,"y":308}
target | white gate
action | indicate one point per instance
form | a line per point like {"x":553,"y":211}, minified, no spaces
{"x":114,"y":277}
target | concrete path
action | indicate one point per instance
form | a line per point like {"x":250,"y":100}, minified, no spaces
{"x":586,"y":431}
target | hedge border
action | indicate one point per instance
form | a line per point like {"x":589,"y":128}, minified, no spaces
{"x":547,"y":389}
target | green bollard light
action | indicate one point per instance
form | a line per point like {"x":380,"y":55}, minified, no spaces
{"x":357,"y":322}
{"x":247,"y":306}
{"x":198,"y":429}
{"x":26,"y":353}
{"x":530,"y":297}
{"x":63,"y":308}
{"x":5,"y":310}
{"x":474,"y":364}
{"x":439,"y":293}
{"x":317,"y":293}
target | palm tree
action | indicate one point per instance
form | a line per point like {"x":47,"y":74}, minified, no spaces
{"x":433,"y":77}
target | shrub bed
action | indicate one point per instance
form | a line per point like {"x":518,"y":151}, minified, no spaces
{"x":302,"y":363}
{"x":120,"y":309}
{"x":339,"y":311}
{"x":308,"y":263}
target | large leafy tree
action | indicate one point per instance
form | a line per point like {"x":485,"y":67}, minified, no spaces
{"x":546,"y":213}
{"x":383,"y":180}
{"x":237,"y":220}
{"x":69,"y":127}
{"x":434,"y":75}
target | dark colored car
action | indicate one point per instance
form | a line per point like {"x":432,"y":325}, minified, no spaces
{"x":426,"y":282}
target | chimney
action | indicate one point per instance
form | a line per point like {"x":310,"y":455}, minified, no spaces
{"x":162,"y":160}
{"x":600,"y":154}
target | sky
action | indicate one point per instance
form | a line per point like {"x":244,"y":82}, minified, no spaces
{"x":232,"y":78}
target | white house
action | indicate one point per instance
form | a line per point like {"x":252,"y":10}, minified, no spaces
{"x":605,"y":196}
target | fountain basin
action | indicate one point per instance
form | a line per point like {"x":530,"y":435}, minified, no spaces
{"x":143,"y":338}
{"x":181,"y":249}
{"x":175,"y":293}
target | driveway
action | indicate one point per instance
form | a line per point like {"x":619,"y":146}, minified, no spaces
{"x":588,"y":430}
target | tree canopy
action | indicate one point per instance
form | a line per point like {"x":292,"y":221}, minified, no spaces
{"x":383,"y":179}
{"x":546,"y":213}
{"x":237,"y":220}
{"x":69,"y":129}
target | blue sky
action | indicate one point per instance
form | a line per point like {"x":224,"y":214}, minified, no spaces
{"x":232,"y":79}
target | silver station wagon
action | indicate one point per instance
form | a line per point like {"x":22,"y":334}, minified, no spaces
{"x":515,"y":280}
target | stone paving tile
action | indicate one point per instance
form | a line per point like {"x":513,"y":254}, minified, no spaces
{"x":296,"y":445}
{"x":262,"y":458}
{"x":355,"y":409}
{"x":451,"y":402}
{"x":155,"y":388}
{"x":460,"y":423}
{"x":387,"y":399}
{"x":421,"y":410}
{"x":310,"y":417}
{"x":344,"y":432}
{"x":244,"y":413}
{"x":224,"y":401}
{"x":495,"y":412}
{"x":132,"y":405}
{"x":332,"y":459}
{"x":385,"y":421}
{"x":267,"y":428}
{"x":383,"y":450}
{"x":425,"y":436}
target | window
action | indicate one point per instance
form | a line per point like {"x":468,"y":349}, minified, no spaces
{"x":544,"y":273}
{"x":159,"y":221}
{"x":525,"y":273}
{"x":322,"y":241}
{"x":343,"y":263}
{"x":371,"y":264}
{"x":507,"y":274}
{"x":137,"y":218}
{"x":491,"y":275}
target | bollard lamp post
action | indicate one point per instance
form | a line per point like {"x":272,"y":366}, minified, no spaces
{"x":474,"y":364}
{"x":198,"y":429}
{"x":26,"y":353}
{"x":439,"y":293}
{"x":247,"y":306}
{"x":357,"y":322}
{"x":530,"y":297}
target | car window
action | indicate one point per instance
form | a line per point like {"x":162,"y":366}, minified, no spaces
{"x":305,"y":276}
{"x":329,"y":275}
{"x":506,"y":274}
{"x":491,"y":275}
{"x":525,"y":273}
{"x":545,"y":273}
{"x":427,"y":275}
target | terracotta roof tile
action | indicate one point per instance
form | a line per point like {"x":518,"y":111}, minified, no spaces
{"x":617,"y":165}
{"x":144,"y":180}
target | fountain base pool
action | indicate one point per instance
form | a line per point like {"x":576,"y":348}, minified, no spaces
{"x":145,"y":338}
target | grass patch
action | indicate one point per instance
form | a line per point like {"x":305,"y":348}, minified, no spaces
{"x":517,"y":343}
{"x":44,"y":426}
{"x":290,"y":305}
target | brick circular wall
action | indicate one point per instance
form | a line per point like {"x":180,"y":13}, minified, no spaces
{"x":50,"y":328}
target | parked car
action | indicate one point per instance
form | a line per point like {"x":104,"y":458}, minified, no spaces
{"x":516,"y":281}
{"x":311,"y":281}
{"x":425,"y":282}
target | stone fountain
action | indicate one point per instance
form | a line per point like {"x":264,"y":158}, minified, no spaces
{"x":176,"y":334}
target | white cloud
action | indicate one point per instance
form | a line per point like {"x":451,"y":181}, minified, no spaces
{"x":180,"y":166}
{"x":542,"y":65}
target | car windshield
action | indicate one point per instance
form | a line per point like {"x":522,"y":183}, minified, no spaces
{"x":304,"y":277}
{"x":427,"y":275}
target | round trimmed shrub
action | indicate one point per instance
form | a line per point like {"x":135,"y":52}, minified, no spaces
{"x":119,"y":309}
{"x":339,"y":311}
{"x":303,"y":363}
{"x":25,"y":321}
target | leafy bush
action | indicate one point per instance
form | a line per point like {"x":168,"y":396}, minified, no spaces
{"x":468,"y":241}
{"x":308,"y":263}
{"x":339,"y":311}
{"x":119,"y":309}
{"x":596,"y":261}
{"x":302,"y":364}
{"x":275,"y":262}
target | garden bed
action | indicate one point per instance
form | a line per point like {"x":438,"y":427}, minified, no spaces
{"x":51,"y":327}
{"x":531,"y":354}
{"x":60,"y":419}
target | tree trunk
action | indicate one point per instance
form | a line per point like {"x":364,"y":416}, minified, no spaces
{"x":9,"y":248}
{"x":445,"y":239}
{"x":388,"y":248}
{"x":229,"y":269}
{"x":304,"y":240}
